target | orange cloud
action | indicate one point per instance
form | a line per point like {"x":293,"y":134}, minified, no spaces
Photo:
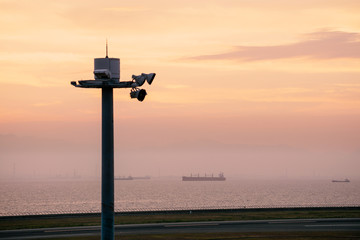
{"x":320,"y":45}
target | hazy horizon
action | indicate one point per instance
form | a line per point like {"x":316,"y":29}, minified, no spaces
{"x":254,"y":89}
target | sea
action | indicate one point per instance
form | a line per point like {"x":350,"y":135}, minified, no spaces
{"x":62,"y":196}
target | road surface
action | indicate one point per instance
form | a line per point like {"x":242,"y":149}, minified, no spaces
{"x":324,"y":225}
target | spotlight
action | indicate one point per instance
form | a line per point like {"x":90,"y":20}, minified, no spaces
{"x":149,"y":77}
{"x":139,"y":79}
{"x":138,"y":93}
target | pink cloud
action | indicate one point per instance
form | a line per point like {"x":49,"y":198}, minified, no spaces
{"x":319,"y":45}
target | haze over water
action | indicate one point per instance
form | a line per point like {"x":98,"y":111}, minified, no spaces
{"x":74,"y":196}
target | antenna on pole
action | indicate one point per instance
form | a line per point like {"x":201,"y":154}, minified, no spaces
{"x":106,"y":48}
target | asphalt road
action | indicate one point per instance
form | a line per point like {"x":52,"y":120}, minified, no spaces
{"x":324,"y":225}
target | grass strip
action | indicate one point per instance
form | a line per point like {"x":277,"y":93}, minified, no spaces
{"x":28,"y":222}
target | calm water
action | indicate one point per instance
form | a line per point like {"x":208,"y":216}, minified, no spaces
{"x":19,"y":198}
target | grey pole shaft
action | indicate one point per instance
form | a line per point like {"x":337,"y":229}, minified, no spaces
{"x":107,"y":168}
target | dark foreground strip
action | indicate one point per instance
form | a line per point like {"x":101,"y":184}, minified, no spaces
{"x":190,"y":211}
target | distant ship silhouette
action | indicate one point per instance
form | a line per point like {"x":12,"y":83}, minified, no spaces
{"x":205,"y":178}
{"x":345,"y":180}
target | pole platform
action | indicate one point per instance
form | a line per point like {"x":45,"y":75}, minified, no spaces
{"x":103,"y":84}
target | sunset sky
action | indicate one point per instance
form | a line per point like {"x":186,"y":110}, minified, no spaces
{"x":253,"y":88}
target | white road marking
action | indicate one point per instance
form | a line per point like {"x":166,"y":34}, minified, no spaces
{"x":191,"y":225}
{"x":291,"y":221}
{"x":334,"y":225}
{"x":69,"y":230}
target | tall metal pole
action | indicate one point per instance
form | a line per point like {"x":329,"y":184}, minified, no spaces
{"x":107,"y":77}
{"x":107,"y":168}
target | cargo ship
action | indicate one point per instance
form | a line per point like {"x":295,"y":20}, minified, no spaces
{"x":205,"y":178}
{"x":345,"y":180}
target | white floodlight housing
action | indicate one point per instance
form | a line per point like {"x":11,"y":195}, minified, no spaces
{"x":107,"y":69}
{"x":139,"y":79}
{"x":102,"y":73}
{"x":138,"y":93}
